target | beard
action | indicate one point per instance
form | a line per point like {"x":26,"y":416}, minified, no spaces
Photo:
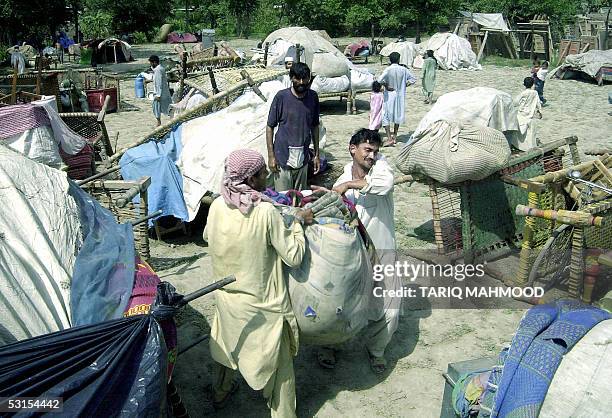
{"x":300,"y":88}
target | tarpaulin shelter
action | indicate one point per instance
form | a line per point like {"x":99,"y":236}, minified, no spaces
{"x":109,"y":51}
{"x":488,"y":33}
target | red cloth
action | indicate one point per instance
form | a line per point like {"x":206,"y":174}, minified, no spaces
{"x":80,"y":165}
{"x":143,"y":295}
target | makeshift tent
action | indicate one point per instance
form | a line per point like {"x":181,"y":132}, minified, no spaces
{"x":407,"y":50}
{"x":319,"y":54}
{"x":487,"y":33}
{"x":109,"y":51}
{"x":480,"y":106}
{"x":64,"y":259}
{"x":591,"y":64}
{"x":451,"y":51}
{"x":178,"y":37}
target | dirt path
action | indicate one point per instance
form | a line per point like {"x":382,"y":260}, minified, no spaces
{"x":427,"y":339}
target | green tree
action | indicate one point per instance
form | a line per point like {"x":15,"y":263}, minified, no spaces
{"x":31,"y":21}
{"x":132,"y":15}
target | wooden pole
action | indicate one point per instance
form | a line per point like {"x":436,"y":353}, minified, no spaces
{"x":213,"y":82}
{"x":14,"y":86}
{"x":482,"y":47}
{"x":39,"y":73}
{"x":266,"y":54}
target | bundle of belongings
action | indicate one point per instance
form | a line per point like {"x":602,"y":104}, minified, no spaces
{"x":480,"y":106}
{"x":451,"y":51}
{"x":589,"y":63}
{"x":72,"y":274}
{"x":321,"y":56}
{"x":361,"y":48}
{"x":455,"y":151}
{"x":179,"y":37}
{"x":558,"y":365}
{"x":408,"y":51}
{"x":37,"y":131}
{"x":331,"y":291}
{"x":184,"y":166}
{"x":461,"y":138}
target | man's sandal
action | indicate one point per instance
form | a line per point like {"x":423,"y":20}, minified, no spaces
{"x":377,"y":364}
{"x":326,"y":357}
{"x":223,"y":402}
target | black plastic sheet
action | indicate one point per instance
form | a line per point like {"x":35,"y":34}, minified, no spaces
{"x":113,"y":368}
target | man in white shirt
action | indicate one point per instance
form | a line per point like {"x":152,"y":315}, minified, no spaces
{"x":529,"y":109}
{"x":394,"y":78}
{"x":368,"y":182}
{"x":161,"y":91}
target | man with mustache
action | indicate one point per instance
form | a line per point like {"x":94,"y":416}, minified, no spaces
{"x":367,"y":181}
{"x":295,"y":111}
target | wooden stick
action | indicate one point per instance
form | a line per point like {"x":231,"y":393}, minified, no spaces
{"x":482,"y":47}
{"x":569,"y":217}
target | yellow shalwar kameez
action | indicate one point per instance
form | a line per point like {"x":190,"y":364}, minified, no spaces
{"x":254,"y":330}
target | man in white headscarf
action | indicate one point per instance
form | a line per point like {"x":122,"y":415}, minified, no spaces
{"x":254,"y":330}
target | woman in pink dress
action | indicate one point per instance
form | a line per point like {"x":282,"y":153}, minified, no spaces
{"x":376,"y":107}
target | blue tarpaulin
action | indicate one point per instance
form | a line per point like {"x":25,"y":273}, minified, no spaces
{"x":157,"y":159}
{"x":103,"y":274}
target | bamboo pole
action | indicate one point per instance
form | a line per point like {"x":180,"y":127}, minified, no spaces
{"x":560,"y":175}
{"x":188,"y":115}
{"x":14,"y":85}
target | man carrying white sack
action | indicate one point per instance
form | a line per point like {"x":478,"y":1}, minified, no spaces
{"x":254,"y":330}
{"x":367,"y":181}
{"x":394,"y":78}
{"x":529,"y":108}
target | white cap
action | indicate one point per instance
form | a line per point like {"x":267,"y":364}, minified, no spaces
{"x":288,"y":59}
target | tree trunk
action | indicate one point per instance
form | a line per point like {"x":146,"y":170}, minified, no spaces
{"x":417,"y":40}
{"x":75,"y":10}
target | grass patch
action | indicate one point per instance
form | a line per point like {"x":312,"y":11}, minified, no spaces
{"x":505,"y":62}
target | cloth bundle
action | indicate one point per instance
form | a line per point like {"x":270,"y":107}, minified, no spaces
{"x":452,"y":152}
{"x":330,"y":205}
{"x":324,"y":85}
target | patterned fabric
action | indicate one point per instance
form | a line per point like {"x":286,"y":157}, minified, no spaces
{"x":20,"y":118}
{"x":143,"y":295}
{"x":452,"y":152}
{"x":80,"y":165}
{"x":544,"y":335}
{"x":240,"y":165}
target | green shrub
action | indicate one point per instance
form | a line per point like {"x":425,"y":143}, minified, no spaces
{"x":96,"y":25}
{"x":4,"y":55}
{"x":140,"y":38}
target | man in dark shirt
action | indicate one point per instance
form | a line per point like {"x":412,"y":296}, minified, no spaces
{"x":296,"y":113}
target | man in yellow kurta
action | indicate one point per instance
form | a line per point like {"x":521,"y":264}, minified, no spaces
{"x":254,"y":330}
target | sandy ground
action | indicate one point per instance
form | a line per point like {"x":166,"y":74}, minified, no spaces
{"x":427,"y":338}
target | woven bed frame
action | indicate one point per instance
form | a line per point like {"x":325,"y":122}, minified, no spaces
{"x":475,"y":220}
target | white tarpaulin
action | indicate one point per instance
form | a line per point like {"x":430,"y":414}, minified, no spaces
{"x":319,"y":54}
{"x":480,"y":106}
{"x":407,"y":50}
{"x":208,"y":140}
{"x":451,"y":51}
{"x":488,"y":20}
{"x":589,"y":63}
{"x":40,"y":238}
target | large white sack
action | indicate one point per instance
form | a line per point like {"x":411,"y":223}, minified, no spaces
{"x":452,"y":152}
{"x":319,"y":54}
{"x":209,"y":139}
{"x":40,"y":226}
{"x":361,"y":80}
{"x":331,"y":292}
{"x":480,"y":106}
{"x":328,"y":65}
{"x":330,"y":84}
{"x":452,"y":52}
{"x":408,"y":51}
